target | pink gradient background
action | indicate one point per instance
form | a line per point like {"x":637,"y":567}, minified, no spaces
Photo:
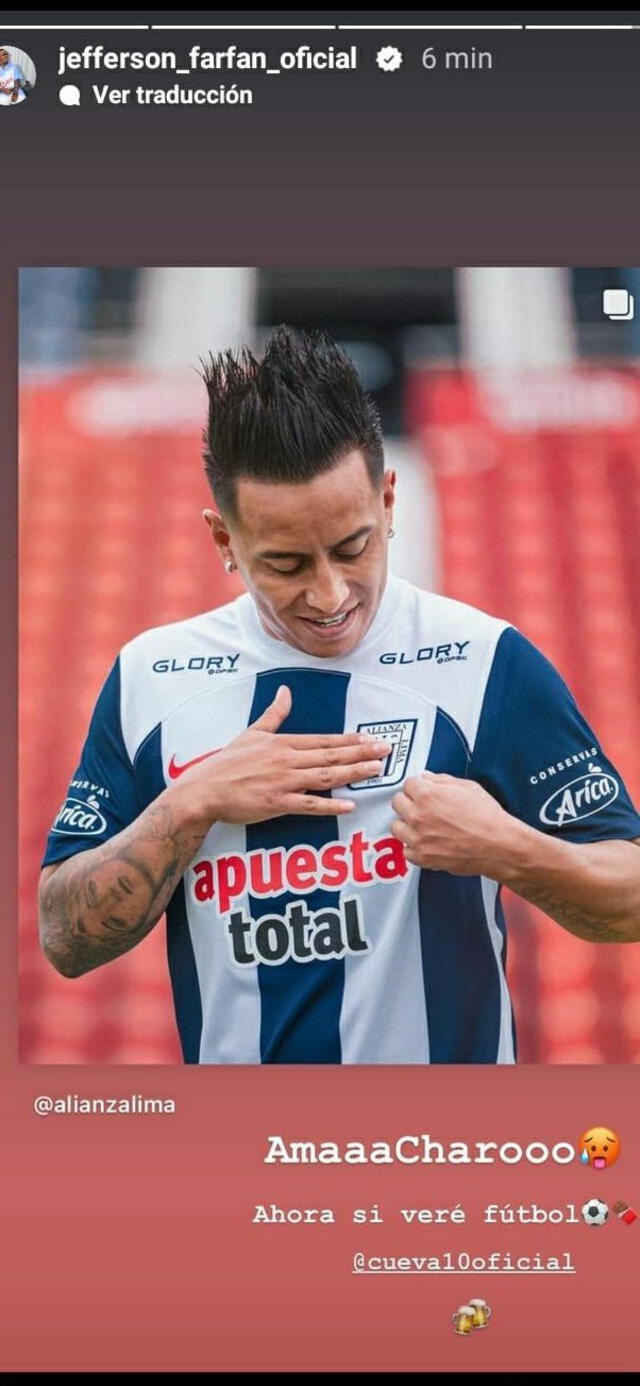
{"x":138,"y":1250}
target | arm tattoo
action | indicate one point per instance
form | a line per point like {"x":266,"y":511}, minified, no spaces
{"x":101,"y":903}
{"x":578,"y":921}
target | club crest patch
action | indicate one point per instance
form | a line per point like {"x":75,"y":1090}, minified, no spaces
{"x":400,"y":736}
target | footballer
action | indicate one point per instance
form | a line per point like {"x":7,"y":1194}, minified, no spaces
{"x":328,"y":824}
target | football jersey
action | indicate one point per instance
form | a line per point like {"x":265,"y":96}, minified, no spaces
{"x":311,"y":939}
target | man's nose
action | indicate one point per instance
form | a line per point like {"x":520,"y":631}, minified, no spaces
{"x":327,"y":590}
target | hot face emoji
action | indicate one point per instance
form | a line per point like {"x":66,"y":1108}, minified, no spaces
{"x":600,"y":1147}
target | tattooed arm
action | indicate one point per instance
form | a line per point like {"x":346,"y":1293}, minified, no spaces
{"x":100,"y":903}
{"x":591,"y":888}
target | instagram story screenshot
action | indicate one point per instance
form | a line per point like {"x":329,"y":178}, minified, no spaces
{"x":320,"y":685}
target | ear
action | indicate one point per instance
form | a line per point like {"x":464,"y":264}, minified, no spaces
{"x":219,"y":533}
{"x":389,"y":494}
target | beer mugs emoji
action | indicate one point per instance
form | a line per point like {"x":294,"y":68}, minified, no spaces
{"x":600,"y":1147}
{"x":463,"y":1319}
{"x":481,"y":1312}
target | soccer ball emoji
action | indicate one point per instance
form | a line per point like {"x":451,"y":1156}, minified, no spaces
{"x":600,"y":1147}
{"x":595,"y":1212}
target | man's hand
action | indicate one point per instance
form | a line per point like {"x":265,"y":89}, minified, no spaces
{"x":100,"y":903}
{"x":448,"y":824}
{"x":263,"y":775}
{"x":592,"y":889}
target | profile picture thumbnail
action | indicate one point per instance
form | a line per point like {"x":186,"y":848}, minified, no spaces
{"x":17,"y":75}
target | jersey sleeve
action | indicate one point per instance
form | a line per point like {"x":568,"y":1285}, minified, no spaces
{"x":102,"y":798}
{"x":538,"y":756}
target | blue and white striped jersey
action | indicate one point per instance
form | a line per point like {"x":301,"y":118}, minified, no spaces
{"x":312,"y":940}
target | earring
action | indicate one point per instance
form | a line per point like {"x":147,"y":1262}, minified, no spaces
{"x":391,"y":531}
{"x":229,"y":565}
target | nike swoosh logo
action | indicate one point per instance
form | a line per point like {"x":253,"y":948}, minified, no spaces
{"x":176,"y":770}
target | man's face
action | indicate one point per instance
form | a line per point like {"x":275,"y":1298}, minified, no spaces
{"x":4,"y":57}
{"x":313,"y":555}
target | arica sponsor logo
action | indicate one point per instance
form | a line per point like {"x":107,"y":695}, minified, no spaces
{"x":80,"y":818}
{"x":582,"y":797}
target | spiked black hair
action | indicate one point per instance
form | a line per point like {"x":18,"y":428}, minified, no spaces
{"x":287,"y":417}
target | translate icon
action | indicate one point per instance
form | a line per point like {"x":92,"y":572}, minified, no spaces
{"x":618,"y":305}
{"x":69,"y":95}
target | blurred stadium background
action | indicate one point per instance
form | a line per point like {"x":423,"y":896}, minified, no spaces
{"x":511,"y":407}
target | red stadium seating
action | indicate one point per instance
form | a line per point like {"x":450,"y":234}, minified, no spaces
{"x":112,"y":542}
{"x":538,"y":485}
